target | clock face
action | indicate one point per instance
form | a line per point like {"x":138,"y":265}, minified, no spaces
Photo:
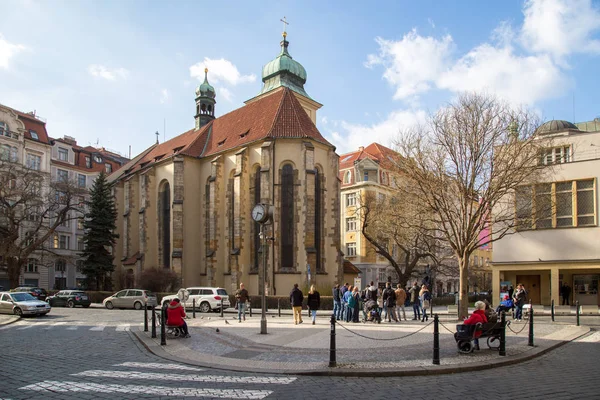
{"x":259,"y":213}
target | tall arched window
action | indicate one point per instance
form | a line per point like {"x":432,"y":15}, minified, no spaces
{"x":165,"y":224}
{"x":287,"y":217}
{"x":318,"y":219}
{"x":347,"y":177}
{"x":256,"y":236}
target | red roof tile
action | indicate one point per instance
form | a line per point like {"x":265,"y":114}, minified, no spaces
{"x":33,"y":124}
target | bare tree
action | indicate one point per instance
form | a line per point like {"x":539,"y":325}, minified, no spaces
{"x":389,"y":224}
{"x":32,"y":206}
{"x":468,"y":160}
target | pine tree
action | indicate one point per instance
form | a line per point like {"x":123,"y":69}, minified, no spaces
{"x":99,"y":237}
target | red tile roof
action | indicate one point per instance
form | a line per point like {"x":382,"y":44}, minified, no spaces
{"x":278,"y":115}
{"x":350,"y":268}
{"x":374,"y":151}
{"x":34,"y":124}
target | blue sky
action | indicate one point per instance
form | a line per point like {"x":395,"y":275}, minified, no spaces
{"x":113,"y":71}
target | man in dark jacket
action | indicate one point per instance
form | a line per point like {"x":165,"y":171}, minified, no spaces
{"x":296,"y":298}
{"x":389,"y":300}
{"x":337,"y":302}
{"x":414,"y":300}
{"x":242,"y":298}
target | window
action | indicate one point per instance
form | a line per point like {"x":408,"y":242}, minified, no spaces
{"x":287,"y":217}
{"x":351,"y":249}
{"x":555,"y":155}
{"x":98,"y":159}
{"x":366,"y":176}
{"x":256,"y":238}
{"x":66,"y":222}
{"x":80,"y":223}
{"x":30,"y":238}
{"x":33,"y":214}
{"x":64,"y":242}
{"x":88,"y":162}
{"x":31,"y":265}
{"x":108,"y":168}
{"x":476,"y":261}
{"x":60,"y":265}
{"x":4,"y":129}
{"x":8,"y":153}
{"x":79,"y":266}
{"x":556,"y":205}
{"x":81,"y":180}
{"x":63,"y":154}
{"x":62,"y":175}
{"x":60,"y":197}
{"x":347,"y":177}
{"x":80,"y":243}
{"x":351,"y":224}
{"x":318,"y":221}
{"x":34,"y":162}
{"x":165,"y":224}
{"x":34,"y":134}
{"x":350,"y":199}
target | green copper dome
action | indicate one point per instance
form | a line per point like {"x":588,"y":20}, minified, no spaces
{"x":205,"y":89}
{"x":284,"y":71}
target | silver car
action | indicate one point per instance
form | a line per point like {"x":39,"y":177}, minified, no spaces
{"x":22,"y":304}
{"x":130,"y":298}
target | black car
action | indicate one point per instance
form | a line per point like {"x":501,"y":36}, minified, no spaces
{"x":37,"y":292}
{"x":70,"y":298}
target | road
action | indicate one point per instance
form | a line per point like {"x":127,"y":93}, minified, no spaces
{"x":90,"y":354}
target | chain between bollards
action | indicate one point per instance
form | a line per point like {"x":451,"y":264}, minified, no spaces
{"x":332,"y":362}
{"x":163,"y":318}
{"x":530,"y":343}
{"x":153,"y":323}
{"x":502,"y":350}
{"x":552,"y":310}
{"x":577,"y":311}
{"x":193,"y":308}
{"x":436,"y":340}
{"x":145,"y":317}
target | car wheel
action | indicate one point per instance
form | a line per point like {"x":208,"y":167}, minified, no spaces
{"x":109,"y":305}
{"x":70,"y":304}
{"x":137,"y":305}
{"x":18,"y":312}
{"x":204,"y":307}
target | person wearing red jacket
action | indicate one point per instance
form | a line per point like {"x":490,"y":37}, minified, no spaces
{"x":176,"y":315}
{"x":478,"y":316}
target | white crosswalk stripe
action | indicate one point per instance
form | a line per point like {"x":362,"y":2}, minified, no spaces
{"x":98,"y":328}
{"x":55,"y":324}
{"x":64,"y":387}
{"x":593,"y":338}
{"x":25,"y":327}
{"x":124,"y":327}
{"x":158,"y":366}
{"x":182,"y":378}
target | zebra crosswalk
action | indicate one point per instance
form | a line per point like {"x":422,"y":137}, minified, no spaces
{"x":132,"y":378}
{"x":49,"y":325}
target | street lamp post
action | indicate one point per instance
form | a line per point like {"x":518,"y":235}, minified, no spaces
{"x":263,"y":300}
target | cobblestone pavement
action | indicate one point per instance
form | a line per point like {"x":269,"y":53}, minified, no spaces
{"x":63,"y":363}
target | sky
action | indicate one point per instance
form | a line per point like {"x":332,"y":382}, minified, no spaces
{"x":112,"y":73}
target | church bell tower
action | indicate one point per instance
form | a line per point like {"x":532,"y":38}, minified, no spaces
{"x":205,"y":102}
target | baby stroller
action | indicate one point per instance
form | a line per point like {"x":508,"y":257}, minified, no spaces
{"x":372,"y":311}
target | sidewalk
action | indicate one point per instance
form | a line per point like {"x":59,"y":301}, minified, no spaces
{"x":386,"y":349}
{"x":6,"y":319}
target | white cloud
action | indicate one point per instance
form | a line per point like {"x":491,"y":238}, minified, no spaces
{"x":431,"y":23}
{"x":324,"y":120}
{"x":8,"y":51}
{"x":220,"y":70}
{"x":518,"y":79}
{"x":110,"y":74}
{"x":413,"y":62}
{"x":351,"y":136}
{"x":224,"y":93}
{"x":164,"y":96}
{"x":561,"y":27}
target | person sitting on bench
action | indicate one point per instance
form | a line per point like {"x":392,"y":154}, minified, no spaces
{"x":176,"y":315}
{"x":505,"y":305}
{"x":478,"y":316}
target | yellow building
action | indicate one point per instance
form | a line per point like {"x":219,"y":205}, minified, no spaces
{"x":186,"y":204}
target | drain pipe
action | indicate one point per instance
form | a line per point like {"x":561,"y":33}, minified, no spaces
{"x":273,"y":220}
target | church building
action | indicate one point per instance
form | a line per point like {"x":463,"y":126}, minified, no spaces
{"x":186,"y":204}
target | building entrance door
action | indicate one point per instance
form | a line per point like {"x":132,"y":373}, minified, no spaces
{"x":532,"y":286}
{"x":585,"y":289}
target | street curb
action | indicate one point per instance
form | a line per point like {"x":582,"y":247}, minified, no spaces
{"x":157,"y":350}
{"x":10,"y":321}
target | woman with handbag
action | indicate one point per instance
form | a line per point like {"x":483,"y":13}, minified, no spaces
{"x":425,"y":302}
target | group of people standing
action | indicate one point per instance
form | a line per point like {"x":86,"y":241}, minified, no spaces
{"x":420,"y":298}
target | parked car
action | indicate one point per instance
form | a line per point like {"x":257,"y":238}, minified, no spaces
{"x":207,"y":298}
{"x":130,"y":298}
{"x":37,"y":292}
{"x":21,"y":303}
{"x":69,"y":298}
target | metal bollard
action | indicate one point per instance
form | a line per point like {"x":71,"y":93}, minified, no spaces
{"x":530,"y":343}
{"x":193,"y":308}
{"x":145,"y":317}
{"x":163,"y":334}
{"x":278,"y":308}
{"x":436,"y":340}
{"x":577,"y":311}
{"x":332,"y":362}
{"x":502,"y":351}
{"x":221,"y":307}
{"x":153,"y":323}
{"x":552,"y":310}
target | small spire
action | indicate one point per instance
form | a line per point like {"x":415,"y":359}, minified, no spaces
{"x":205,"y":74}
{"x":285,"y":23}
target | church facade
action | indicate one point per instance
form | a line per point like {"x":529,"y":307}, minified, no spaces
{"x":185,"y":204}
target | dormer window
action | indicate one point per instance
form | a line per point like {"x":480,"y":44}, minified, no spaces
{"x":34,"y":135}
{"x":108,"y":168}
{"x":98,"y":159}
{"x":222,"y":142}
{"x":347,"y":177}
{"x":63,"y":154}
{"x":88,"y":162}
